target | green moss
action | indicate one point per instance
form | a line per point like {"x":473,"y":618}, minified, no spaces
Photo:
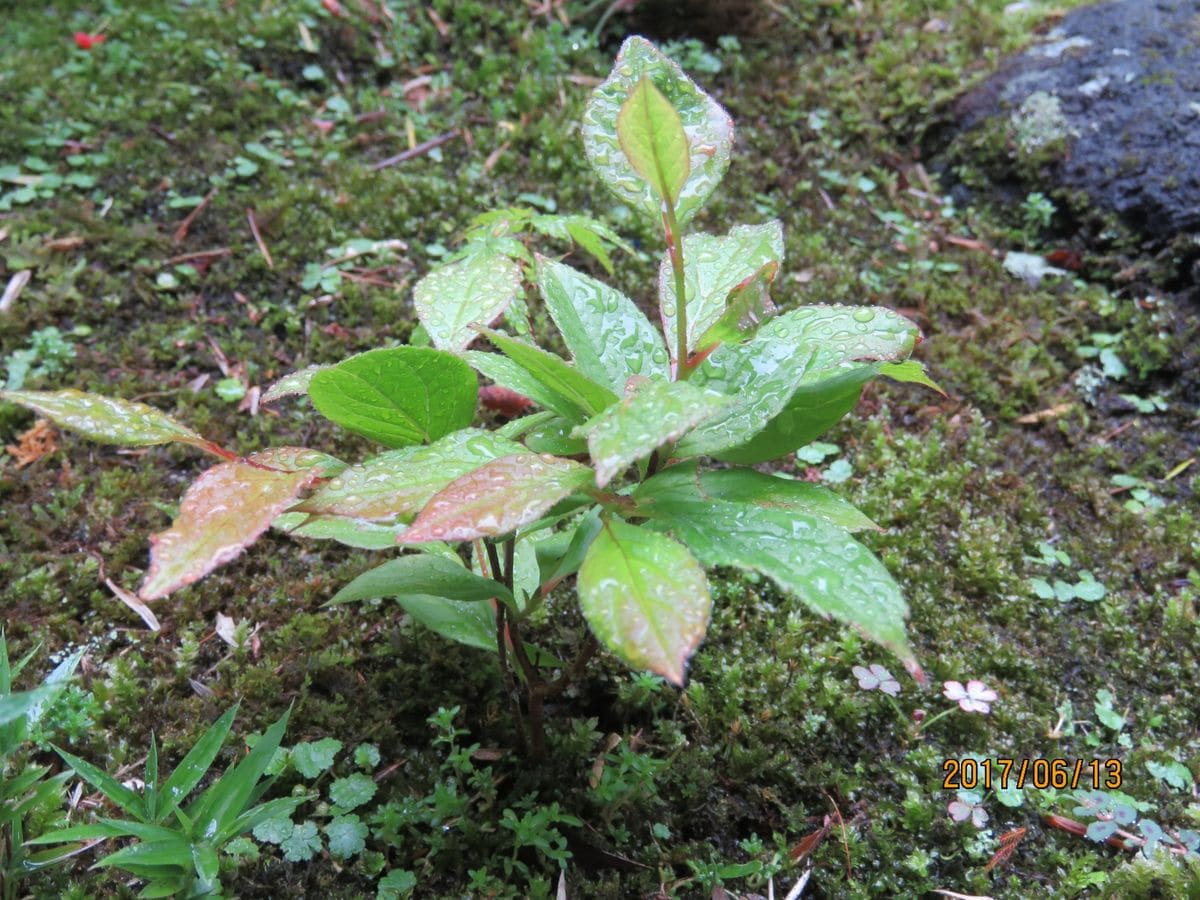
{"x":773,"y":734}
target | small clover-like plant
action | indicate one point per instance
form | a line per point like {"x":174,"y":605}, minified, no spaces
{"x":606,"y":482}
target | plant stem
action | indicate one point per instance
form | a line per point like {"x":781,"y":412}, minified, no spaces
{"x":510,"y":684}
{"x":675,"y":250}
{"x":586,"y":652}
{"x":536,"y":689}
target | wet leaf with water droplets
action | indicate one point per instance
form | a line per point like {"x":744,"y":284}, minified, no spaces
{"x":421,"y":574}
{"x":748,"y":306}
{"x":820,"y":564}
{"x":652,"y":136}
{"x":586,"y":397}
{"x":707,"y":126}
{"x":106,"y":419}
{"x":352,"y":532}
{"x":798,"y":375}
{"x":715,"y":265}
{"x":502,"y":370}
{"x":683,"y":483}
{"x":608,"y":336}
{"x":398,"y":483}
{"x":658,"y":412}
{"x":225,"y":510}
{"x":398,"y":397}
{"x":453,"y":298}
{"x":645,"y":597}
{"x":555,"y":437}
{"x":497,"y":498}
{"x":291,"y":385}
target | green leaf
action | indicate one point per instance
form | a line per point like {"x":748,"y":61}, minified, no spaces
{"x":591,"y":236}
{"x":103,"y":828}
{"x":217,"y":810}
{"x":418,"y":575}
{"x":398,"y":483}
{"x":644,"y":597}
{"x":398,"y":397}
{"x":465,"y":621}
{"x":17,"y":706}
{"x":302,"y":844}
{"x":707,"y":125}
{"x":682,"y":484}
{"x":193,"y":767}
{"x":608,"y":336}
{"x":505,"y":372}
{"x":225,"y":510}
{"x":108,"y":420}
{"x":586,"y":398}
{"x":497,"y":498}
{"x":366,"y":756}
{"x":715,"y":266}
{"x":176,"y":852}
{"x":347,"y":835}
{"x":395,"y":884}
{"x":274,"y":830}
{"x":1105,"y":712}
{"x":800,"y":370}
{"x":813,"y":409}
{"x":910,"y":371}
{"x":556,"y":437}
{"x":311,"y":758}
{"x":352,"y":791}
{"x":207,"y":864}
{"x":1174,"y":773}
{"x":652,"y":137}
{"x":361,"y":533}
{"x":272,"y":809}
{"x":815,"y":561}
{"x":747,"y":307}
{"x":128,"y":800}
{"x":656,"y":413}
{"x":168,"y":887}
{"x":291,"y":385}
{"x":452,"y":299}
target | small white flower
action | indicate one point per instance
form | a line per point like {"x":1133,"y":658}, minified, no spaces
{"x":975,"y":697}
{"x":876,"y":677}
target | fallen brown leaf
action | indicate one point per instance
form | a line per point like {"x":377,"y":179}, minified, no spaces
{"x":34,"y":444}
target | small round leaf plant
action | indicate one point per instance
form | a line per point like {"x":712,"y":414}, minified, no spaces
{"x":608,"y":477}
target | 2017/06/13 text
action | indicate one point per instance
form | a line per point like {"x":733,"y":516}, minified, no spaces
{"x":1004,"y":773}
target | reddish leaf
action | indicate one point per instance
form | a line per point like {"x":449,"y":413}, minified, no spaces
{"x":808,"y":844}
{"x":504,"y":401}
{"x":497,"y":498}
{"x":224,"y":511}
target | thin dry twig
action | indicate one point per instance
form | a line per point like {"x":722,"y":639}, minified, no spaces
{"x":418,"y":150}
{"x":199,"y":254}
{"x":262,"y":246}
{"x":181,"y":232}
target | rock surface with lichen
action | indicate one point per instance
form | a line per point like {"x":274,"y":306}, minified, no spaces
{"x":1110,"y":99}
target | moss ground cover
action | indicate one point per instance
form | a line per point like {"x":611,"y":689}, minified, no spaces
{"x":275,"y":119}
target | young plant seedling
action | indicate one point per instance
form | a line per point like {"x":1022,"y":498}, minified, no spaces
{"x":608,"y":481}
{"x":179,"y":845}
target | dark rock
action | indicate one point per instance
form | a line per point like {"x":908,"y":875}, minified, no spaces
{"x":1108,"y":103}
